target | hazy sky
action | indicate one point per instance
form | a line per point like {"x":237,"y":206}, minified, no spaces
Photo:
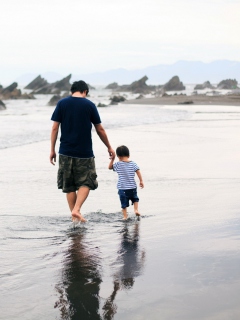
{"x":97,"y":35}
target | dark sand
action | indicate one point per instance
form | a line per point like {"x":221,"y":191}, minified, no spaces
{"x":226,"y":100}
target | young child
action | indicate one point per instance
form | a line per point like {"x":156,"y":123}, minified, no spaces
{"x":127,"y":188}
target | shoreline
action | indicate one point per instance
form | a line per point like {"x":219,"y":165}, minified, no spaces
{"x":224,"y":100}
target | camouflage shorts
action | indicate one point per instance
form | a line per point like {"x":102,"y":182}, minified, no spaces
{"x":74,"y":173}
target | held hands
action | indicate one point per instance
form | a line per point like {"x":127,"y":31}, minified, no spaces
{"x":111,"y":154}
{"x":53,"y":157}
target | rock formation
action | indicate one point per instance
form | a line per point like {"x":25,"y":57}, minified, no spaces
{"x":37,"y":83}
{"x":117,"y":99}
{"x":138,"y":86}
{"x":54,"y":100}
{"x":205,"y":85}
{"x":113,"y":86}
{"x":186,"y":102}
{"x":228,"y":84}
{"x":56,"y":87}
{"x":12,"y":92}
{"x":91,"y":87}
{"x":2,"y":105}
{"x":174,"y":84}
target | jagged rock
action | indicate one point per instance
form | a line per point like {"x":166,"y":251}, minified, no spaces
{"x":140,"y":96}
{"x":228,"y":84}
{"x":56,"y":87}
{"x":174,"y":84}
{"x":2,"y":105}
{"x":12,"y":92}
{"x":37,"y":83}
{"x":205,"y":85}
{"x":186,"y":102}
{"x":54,"y":100}
{"x":26,"y":96}
{"x":101,"y":105}
{"x":138,"y":86}
{"x":90,"y":87}
{"x":194,"y":93}
{"x":112,"y":86}
{"x":10,"y":88}
{"x":117,"y":99}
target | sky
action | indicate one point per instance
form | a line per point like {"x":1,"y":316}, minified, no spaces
{"x":83,"y":37}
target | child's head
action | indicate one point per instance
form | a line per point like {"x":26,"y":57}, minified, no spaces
{"x":122,"y":151}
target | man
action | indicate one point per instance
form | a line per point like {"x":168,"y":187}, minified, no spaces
{"x":76,"y":173}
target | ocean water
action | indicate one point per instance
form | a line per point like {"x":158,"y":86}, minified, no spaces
{"x":180,"y":260}
{"x":27,"y":121}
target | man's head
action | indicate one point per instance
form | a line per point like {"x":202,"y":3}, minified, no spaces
{"x":122,"y":151}
{"x":79,"y":86}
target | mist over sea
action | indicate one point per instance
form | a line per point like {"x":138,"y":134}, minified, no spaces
{"x":180,"y":261}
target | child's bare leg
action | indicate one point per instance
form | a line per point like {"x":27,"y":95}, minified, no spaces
{"x":124,"y":211}
{"x":135,"y":205}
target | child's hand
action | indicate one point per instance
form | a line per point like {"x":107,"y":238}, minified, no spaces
{"x":141,"y":184}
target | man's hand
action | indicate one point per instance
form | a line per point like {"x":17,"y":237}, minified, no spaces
{"x":111,"y":153}
{"x":53,"y":157}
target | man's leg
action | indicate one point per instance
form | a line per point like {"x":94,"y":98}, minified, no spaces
{"x":71,"y":198}
{"x":82,"y":195}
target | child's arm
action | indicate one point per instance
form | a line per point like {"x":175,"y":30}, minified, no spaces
{"x":140,"y":178}
{"x":110,"y":166}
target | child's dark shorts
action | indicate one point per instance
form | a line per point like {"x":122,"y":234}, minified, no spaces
{"x":126,"y":195}
{"x":74,"y":173}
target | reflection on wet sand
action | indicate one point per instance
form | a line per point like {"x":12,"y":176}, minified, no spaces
{"x":129,"y":265}
{"x":81,"y":278}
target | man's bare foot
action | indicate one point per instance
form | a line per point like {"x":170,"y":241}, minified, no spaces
{"x":137,"y":213}
{"x":78,"y":216}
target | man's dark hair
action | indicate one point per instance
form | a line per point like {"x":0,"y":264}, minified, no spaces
{"x":122,"y":151}
{"x":80,"y":86}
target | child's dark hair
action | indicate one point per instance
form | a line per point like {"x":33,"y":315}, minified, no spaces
{"x":80,"y":86}
{"x":122,"y":151}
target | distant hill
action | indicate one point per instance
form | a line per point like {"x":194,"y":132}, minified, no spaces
{"x":188,"y":71}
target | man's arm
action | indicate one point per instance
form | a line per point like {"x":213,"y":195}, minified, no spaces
{"x":103,"y":136}
{"x":140,"y":178}
{"x":54,"y":134}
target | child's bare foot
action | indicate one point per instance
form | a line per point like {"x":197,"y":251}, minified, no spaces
{"x":77,"y":216}
{"x":137,"y":213}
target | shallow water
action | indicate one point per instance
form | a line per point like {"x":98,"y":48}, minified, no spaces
{"x":179,"y":261}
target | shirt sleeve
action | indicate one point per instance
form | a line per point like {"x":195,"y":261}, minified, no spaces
{"x":95,"y":118}
{"x":115,"y":167}
{"x":57,"y":114}
{"x":135,"y":166}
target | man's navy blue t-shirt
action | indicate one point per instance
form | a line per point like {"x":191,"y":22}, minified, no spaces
{"x":76,"y":116}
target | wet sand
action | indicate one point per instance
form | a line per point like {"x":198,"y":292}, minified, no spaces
{"x":225,"y":100}
{"x":180,"y":261}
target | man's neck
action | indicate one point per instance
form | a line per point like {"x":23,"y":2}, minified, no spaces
{"x":79,"y":94}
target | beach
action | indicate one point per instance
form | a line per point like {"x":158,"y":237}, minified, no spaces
{"x":198,"y":99}
{"x":180,"y":261}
